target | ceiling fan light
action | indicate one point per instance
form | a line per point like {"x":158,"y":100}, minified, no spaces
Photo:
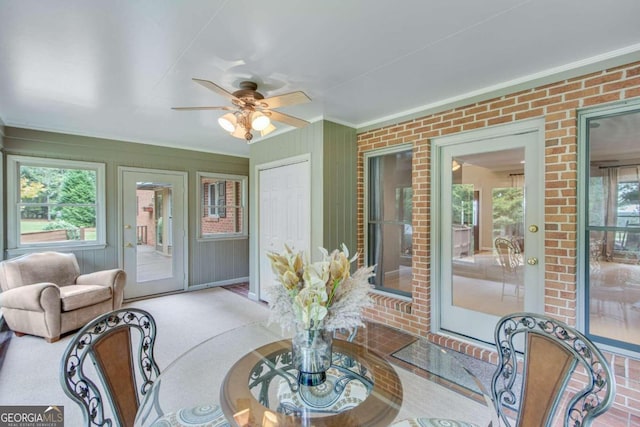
{"x":228,"y":122}
{"x":259,"y":121}
{"x":239,"y":132}
{"x":267,"y":130}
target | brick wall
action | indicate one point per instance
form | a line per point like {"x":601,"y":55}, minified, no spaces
{"x":146,"y":218}
{"x":557,"y":103}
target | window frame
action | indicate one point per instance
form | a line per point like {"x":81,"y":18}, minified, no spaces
{"x":14,"y":162}
{"x":242,"y":179}
{"x":584,"y":228}
{"x":365,"y":223}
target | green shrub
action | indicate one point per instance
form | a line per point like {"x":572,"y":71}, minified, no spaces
{"x":73,"y":232}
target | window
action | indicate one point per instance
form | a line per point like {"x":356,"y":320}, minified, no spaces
{"x":389,"y":210}
{"x":54,"y":203}
{"x":611,"y":224}
{"x":217,"y":192}
{"x":222,"y":205}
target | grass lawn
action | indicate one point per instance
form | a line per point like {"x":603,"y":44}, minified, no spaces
{"x":33,"y":225}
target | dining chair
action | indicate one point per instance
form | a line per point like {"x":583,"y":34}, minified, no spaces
{"x":565,"y":378}
{"x":509,"y":259}
{"x":109,"y":366}
{"x":104,"y":348}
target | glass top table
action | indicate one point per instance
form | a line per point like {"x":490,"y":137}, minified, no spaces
{"x":246,"y":377}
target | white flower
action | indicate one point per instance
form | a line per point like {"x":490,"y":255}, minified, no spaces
{"x":319,"y":295}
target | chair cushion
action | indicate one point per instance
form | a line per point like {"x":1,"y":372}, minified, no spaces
{"x":431,"y":422}
{"x":200,"y":416}
{"x":78,"y":296}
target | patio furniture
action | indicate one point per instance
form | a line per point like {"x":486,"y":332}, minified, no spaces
{"x":245,"y":381}
{"x":107,"y":370}
{"x":44,"y":294}
{"x":555,"y":355}
{"x":509,"y":258}
{"x":105,"y":345}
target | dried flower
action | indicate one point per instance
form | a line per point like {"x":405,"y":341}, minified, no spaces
{"x":318,"y":295}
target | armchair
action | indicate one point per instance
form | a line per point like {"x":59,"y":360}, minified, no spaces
{"x":44,"y":294}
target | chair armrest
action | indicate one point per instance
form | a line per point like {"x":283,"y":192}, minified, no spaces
{"x":37,"y":297}
{"x":115,"y":279}
{"x":101,"y":278}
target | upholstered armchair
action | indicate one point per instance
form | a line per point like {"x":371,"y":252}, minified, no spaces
{"x":44,"y":294}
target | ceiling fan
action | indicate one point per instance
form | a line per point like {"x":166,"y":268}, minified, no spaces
{"x":251,"y":110}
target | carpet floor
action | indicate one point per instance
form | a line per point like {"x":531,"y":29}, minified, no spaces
{"x":30,"y":372}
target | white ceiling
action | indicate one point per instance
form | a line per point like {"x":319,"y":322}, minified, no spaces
{"x":114,"y":68}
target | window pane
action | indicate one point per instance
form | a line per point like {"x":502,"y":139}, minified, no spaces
{"x":390,"y":247}
{"x":614,"y":287}
{"x":390,"y":210}
{"x":221,"y":210}
{"x":613,"y":230}
{"x":57,"y":205}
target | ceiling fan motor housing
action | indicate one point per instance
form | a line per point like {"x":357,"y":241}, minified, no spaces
{"x":248,"y":90}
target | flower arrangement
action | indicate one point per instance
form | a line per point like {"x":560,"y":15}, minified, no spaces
{"x":320,"y":295}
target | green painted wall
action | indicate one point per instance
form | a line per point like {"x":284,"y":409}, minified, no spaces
{"x":331,"y":149}
{"x":209,"y":261}
{"x":339,"y":172}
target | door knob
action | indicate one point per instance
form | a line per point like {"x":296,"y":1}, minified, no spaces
{"x":533,"y":228}
{"x":128,"y":245}
{"x":127,"y":227}
{"x":532,"y":261}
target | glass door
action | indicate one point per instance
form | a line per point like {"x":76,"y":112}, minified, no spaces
{"x":490,"y":233}
{"x":153,"y":232}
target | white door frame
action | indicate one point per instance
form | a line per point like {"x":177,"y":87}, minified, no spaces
{"x":182,"y":204}
{"x":256,"y":198}
{"x":535,"y":170}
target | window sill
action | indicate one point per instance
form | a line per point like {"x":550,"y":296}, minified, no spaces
{"x":393,"y":301}
{"x":222,"y":237}
{"x":58,"y":248}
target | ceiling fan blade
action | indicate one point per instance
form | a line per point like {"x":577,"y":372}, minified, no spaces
{"x":287,"y":119}
{"x":217,"y":89}
{"x":202,"y":108}
{"x":284,"y":100}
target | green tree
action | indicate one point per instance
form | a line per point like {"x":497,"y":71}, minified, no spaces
{"x":78,"y":188}
{"x":462,"y":204}
{"x":39,"y":185}
{"x":508,"y":211}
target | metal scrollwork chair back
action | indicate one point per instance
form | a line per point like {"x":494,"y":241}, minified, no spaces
{"x":554,"y":353}
{"x":105,"y":348}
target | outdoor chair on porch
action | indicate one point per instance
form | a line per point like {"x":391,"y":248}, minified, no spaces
{"x":509,"y":258}
{"x":554,"y":354}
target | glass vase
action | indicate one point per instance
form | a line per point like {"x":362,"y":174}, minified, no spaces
{"x":311,"y":355}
